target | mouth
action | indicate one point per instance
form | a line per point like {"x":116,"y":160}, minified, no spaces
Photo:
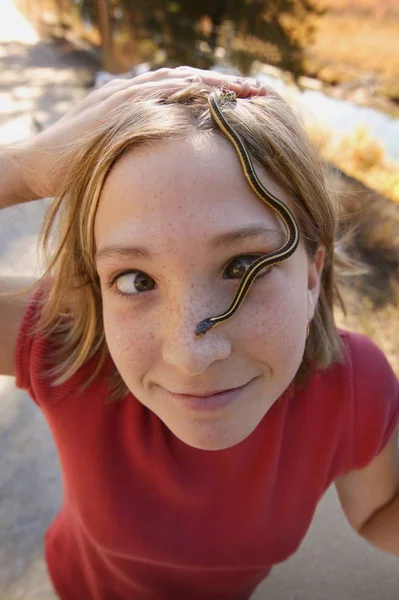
{"x":209,"y":402}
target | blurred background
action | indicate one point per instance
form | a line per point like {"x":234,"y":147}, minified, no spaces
{"x":337,"y":61}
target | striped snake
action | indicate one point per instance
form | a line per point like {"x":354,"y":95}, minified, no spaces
{"x":267,"y":197}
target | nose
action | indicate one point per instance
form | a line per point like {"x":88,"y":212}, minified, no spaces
{"x":182,"y":349}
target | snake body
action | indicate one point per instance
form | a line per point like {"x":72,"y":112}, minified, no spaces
{"x":291,"y":227}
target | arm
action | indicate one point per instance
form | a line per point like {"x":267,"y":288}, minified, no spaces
{"x":370,"y":498}
{"x":36,"y":168}
{"x":13,"y":189}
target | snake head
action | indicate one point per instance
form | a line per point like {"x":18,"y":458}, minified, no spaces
{"x":229,"y":96}
{"x":203,"y":327}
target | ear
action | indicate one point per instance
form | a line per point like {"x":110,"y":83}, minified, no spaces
{"x":315,"y":270}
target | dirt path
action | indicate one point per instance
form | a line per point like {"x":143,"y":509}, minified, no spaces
{"x":39,"y":81}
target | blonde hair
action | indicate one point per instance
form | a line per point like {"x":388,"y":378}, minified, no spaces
{"x":71,"y":310}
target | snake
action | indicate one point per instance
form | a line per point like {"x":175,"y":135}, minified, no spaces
{"x":215,"y":99}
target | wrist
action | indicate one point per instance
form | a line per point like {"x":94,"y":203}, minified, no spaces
{"x":24,"y":156}
{"x":14,"y":188}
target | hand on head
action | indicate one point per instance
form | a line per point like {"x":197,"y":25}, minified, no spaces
{"x":45,"y":158}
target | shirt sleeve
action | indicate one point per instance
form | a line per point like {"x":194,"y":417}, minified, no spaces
{"x":30,"y":349}
{"x":375,"y":400}
{"x":34,"y":358}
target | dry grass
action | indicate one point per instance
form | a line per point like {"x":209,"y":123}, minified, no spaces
{"x":374,"y":8}
{"x":361,"y":157}
{"x":357,"y":37}
{"x":380,"y":325}
{"x":372,"y":300}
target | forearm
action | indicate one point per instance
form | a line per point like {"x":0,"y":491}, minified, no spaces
{"x":13,"y":188}
{"x":382,"y":529}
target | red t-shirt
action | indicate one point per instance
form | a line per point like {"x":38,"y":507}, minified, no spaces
{"x":146,"y":516}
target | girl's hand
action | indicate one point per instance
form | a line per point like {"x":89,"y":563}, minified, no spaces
{"x":44,"y":158}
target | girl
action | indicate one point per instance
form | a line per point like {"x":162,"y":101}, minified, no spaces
{"x":182,"y":347}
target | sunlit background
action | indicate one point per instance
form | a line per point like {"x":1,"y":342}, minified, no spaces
{"x":337,"y":61}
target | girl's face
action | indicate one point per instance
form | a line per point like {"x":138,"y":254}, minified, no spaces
{"x":173,"y":226}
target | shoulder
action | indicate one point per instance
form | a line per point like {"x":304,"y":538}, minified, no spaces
{"x":372,"y":399}
{"x":367,"y":366}
{"x":363,"y":365}
{"x":40,"y":366}
{"x":357,"y":343}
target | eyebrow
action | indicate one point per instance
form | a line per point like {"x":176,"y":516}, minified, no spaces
{"x":222,"y":240}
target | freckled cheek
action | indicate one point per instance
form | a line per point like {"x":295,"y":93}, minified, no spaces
{"x":276,"y":323}
{"x":130,"y":341}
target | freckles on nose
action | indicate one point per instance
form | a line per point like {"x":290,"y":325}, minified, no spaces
{"x":183,"y":316}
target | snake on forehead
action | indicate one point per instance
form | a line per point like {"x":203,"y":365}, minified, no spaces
{"x":215,"y":99}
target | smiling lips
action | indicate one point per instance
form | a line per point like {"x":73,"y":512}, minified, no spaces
{"x":208,"y":402}
{"x":204,"y":394}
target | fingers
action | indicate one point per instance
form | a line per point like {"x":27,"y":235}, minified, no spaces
{"x":242,"y":86}
{"x":187,"y":75}
{"x":121,"y":94}
{"x":134,"y":86}
{"x":136,"y":91}
{"x":117,"y":90}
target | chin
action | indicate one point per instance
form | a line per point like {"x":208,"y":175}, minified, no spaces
{"x":211,"y":440}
